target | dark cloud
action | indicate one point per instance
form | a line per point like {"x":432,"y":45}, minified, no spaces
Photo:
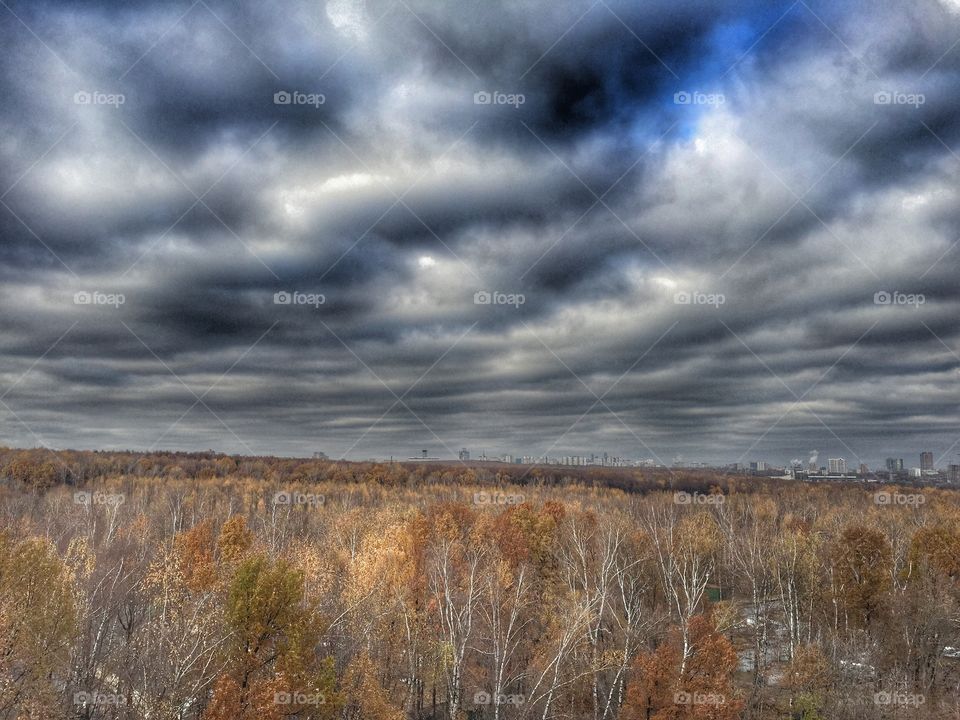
{"x":785,"y":168}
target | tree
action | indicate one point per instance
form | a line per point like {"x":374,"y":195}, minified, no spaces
{"x":860,"y":569}
{"x":273,"y":668}
{"x":665,"y":687}
{"x":235,"y":539}
{"x":37,"y":628}
{"x":453,"y":567}
{"x":808,"y":679}
{"x":685,"y":550}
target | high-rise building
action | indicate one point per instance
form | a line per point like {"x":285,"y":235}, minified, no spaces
{"x":953,"y":473}
{"x":837,"y":466}
{"x":424,"y":455}
{"x":464,"y":454}
{"x":926,"y":461}
{"x":894,"y":464}
{"x":864,"y":470}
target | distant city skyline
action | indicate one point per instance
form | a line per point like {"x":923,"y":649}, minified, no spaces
{"x":902,"y":462}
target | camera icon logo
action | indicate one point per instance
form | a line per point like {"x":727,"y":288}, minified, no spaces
{"x":82,"y":98}
{"x":882,"y":298}
{"x":681,"y":298}
{"x":683,"y":698}
{"x":682,"y":98}
{"x":481,"y":697}
{"x":482,"y":98}
{"x":282,"y":98}
{"x":884,"y":97}
{"x":82,"y":298}
{"x":281,"y":498}
{"x":282,"y":698}
{"x":82,"y":497}
{"x":282,"y":298}
{"x":482,"y":297}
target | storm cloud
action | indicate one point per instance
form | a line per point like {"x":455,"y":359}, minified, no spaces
{"x":717,"y":230}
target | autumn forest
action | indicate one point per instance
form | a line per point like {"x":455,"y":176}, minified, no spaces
{"x":208,"y":587}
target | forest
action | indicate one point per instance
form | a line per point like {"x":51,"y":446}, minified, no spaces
{"x":201,"y":586}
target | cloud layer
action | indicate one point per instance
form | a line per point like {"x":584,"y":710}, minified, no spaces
{"x":732,"y":226}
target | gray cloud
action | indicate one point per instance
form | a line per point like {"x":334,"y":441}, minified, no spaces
{"x":794,"y":193}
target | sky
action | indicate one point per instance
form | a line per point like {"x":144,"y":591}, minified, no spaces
{"x":709,"y":230}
